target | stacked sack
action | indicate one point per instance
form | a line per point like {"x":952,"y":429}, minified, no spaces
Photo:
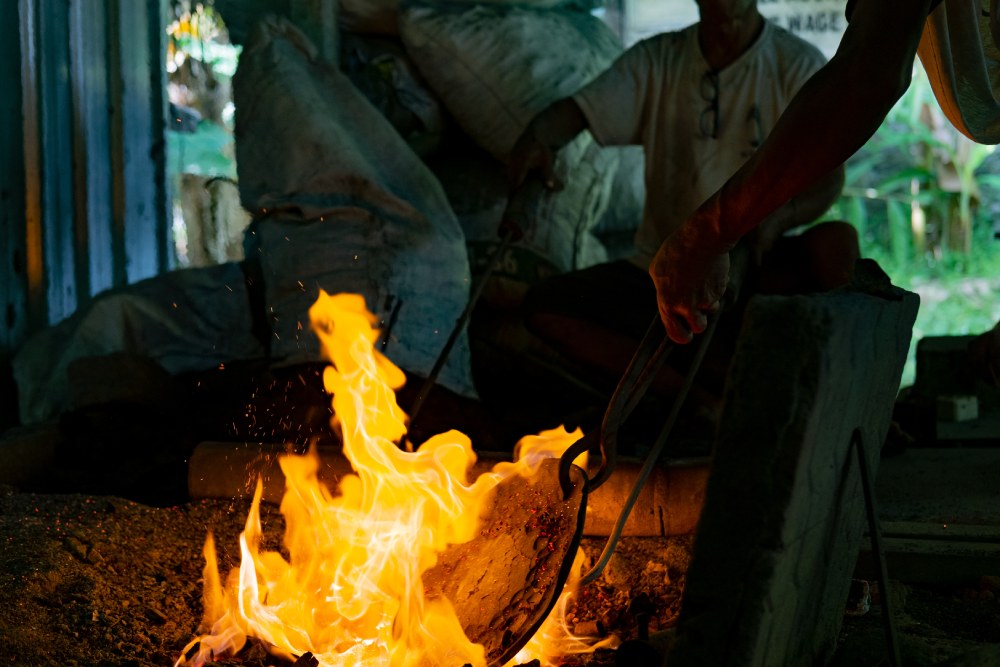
{"x":418,"y":190}
{"x":343,"y":204}
{"x":495,"y":66}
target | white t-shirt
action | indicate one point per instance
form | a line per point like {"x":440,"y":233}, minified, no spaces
{"x":661,"y":93}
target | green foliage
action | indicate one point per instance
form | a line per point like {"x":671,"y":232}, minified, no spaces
{"x":209,"y":151}
{"x":923,"y":200}
{"x":198,"y":31}
{"x":198,"y":35}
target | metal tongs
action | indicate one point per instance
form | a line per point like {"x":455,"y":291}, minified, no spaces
{"x":648,"y":358}
{"x":646,"y":363}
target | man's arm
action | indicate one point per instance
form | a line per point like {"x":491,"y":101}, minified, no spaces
{"x":834,"y":113}
{"x":554,"y":127}
{"x":995,"y":22}
{"x":801,"y":209}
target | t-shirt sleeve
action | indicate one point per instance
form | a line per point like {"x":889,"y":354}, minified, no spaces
{"x":614,"y":103}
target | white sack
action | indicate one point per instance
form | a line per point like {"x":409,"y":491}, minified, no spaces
{"x":382,"y":71}
{"x":381,"y":16}
{"x":188,"y":320}
{"x":623,"y":215}
{"x":343,"y":204}
{"x":494,"y":68}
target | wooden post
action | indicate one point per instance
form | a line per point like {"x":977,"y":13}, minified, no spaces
{"x":139,"y":97}
{"x":784,"y":514}
{"x":88,"y":43}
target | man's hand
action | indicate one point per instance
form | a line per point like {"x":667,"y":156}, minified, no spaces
{"x":542,"y":138}
{"x":531,"y":154}
{"x":531,"y":162}
{"x":691,"y":278}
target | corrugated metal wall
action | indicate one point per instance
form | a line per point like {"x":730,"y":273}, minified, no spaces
{"x":84,"y":203}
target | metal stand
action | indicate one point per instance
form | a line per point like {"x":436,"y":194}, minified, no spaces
{"x":875,"y":531}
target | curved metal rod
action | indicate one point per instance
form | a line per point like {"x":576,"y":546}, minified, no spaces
{"x":566,"y":461}
{"x":652,"y":456}
{"x":614,"y":418}
{"x":506,"y":236}
{"x":739,"y":265}
{"x":645,"y":363}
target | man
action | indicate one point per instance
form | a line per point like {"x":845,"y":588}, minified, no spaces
{"x":833,"y":115}
{"x":700,"y":101}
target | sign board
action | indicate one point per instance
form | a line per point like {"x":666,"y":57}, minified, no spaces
{"x":820,"y":22}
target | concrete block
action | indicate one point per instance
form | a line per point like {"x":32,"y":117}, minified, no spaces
{"x":783,"y":519}
{"x":946,"y":554}
{"x":920,"y":485}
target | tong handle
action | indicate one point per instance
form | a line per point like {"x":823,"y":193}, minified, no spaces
{"x":645,"y":363}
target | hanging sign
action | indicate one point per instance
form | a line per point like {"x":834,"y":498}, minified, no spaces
{"x":819,"y":22}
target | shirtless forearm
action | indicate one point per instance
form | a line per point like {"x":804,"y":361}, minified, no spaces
{"x":801,"y":209}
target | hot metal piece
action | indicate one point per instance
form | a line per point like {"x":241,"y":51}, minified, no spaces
{"x":506,"y":581}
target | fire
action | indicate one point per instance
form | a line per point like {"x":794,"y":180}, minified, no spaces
{"x":554,"y":640}
{"x":350,"y":590}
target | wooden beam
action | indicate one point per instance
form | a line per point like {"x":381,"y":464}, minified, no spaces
{"x":55,"y":150}
{"x":143,"y":124}
{"x":34,"y":251}
{"x":116,"y":146}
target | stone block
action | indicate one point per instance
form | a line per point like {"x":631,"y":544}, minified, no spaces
{"x":957,"y":408}
{"x":784,"y":513}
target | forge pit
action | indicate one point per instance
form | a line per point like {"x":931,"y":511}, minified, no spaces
{"x":93,"y":580}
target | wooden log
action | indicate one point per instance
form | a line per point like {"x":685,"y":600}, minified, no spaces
{"x":669,"y":504}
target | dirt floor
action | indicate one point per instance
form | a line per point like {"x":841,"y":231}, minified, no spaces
{"x":100,"y":558}
{"x":106,"y":582}
{"x":102,"y":581}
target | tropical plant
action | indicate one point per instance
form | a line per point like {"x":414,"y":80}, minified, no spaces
{"x":924,"y":199}
{"x":915,"y":190}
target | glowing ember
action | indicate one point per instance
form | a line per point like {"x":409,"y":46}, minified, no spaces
{"x":351,"y":590}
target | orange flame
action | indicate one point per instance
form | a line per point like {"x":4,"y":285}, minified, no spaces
{"x":350,"y":591}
